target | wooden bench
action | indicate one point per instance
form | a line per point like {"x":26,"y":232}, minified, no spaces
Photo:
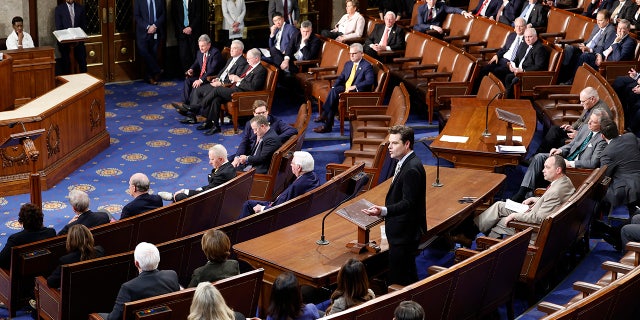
{"x":269,"y":185}
{"x":469,"y":289}
{"x":156,"y":226}
{"x":182,"y":255}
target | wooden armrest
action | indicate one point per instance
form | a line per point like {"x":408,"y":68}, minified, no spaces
{"x":534,"y":73}
{"x":551,"y":89}
{"x":373,"y":117}
{"x":616,"y":267}
{"x":483,"y":243}
{"x":570,"y":118}
{"x":359,"y":94}
{"x":374,"y":129}
{"x":539,"y":191}
{"x":585,"y":287}
{"x":390,"y":53}
{"x":359,"y":154}
{"x":451,"y":38}
{"x":430,"y":66}
{"x":474,"y":44}
{"x":464,"y":253}
{"x":435,"y":269}
{"x":574,"y":10}
{"x":569,"y":41}
{"x":394,"y":287}
{"x":488,"y":50}
{"x":366,"y":141}
{"x":519,"y":225}
{"x":329,"y":77}
{"x":551,"y":34}
{"x":322,"y":69}
{"x":447,"y":97}
{"x":364,"y":110}
{"x":633,"y":246}
{"x":407,"y":59}
{"x":569,"y":106}
{"x":564,"y":96}
{"x":306,"y":62}
{"x":432,"y":75}
{"x":548,"y":307}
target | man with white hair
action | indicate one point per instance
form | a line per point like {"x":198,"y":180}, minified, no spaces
{"x":79,"y":201}
{"x":385,"y":37}
{"x":143,"y":202}
{"x":302,"y":167}
{"x":150,"y":281}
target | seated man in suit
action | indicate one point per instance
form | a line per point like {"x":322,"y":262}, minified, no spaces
{"x":596,"y":6}
{"x":583,"y":151}
{"x":235,"y":65}
{"x":79,"y":201}
{"x":385,"y":37}
{"x":531,"y":56}
{"x":18,"y":39}
{"x":302,"y":167}
{"x":282,"y":129}
{"x":487,"y":8}
{"x":259,"y":156}
{"x":208,"y":62}
{"x":150,"y":281}
{"x":357,"y":75}
{"x":493,"y":221}
{"x":534,"y":13}
{"x":620,"y":9}
{"x":252,"y":78}
{"x":507,"y":54}
{"x":222,"y":172}
{"x":431,"y":15}
{"x":280,"y":38}
{"x":601,"y":38}
{"x":304,"y":46}
{"x":143,"y":201}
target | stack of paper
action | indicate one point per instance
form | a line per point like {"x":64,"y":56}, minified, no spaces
{"x":511,"y":149}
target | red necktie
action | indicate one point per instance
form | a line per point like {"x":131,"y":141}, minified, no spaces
{"x":204,"y":65}
{"x":242,"y":76}
{"x":385,"y":37}
{"x":429,"y":13}
{"x":484,"y":3}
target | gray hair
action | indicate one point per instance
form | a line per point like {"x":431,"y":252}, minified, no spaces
{"x":218,"y":150}
{"x":306,"y":24}
{"x":204,"y":38}
{"x":254,"y":53}
{"x":238,"y":43}
{"x":79,"y":200}
{"x":357,"y":46}
{"x":147,"y":256}
{"x":590,"y":92}
{"x":600,"y":113}
{"x":304,"y":160}
{"x":140,"y":181}
{"x":391,"y":13}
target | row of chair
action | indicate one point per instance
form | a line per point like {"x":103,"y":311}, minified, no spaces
{"x":182,"y":255}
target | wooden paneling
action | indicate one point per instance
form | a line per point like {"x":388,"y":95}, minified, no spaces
{"x":33,"y":73}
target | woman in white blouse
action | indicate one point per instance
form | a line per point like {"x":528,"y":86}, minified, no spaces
{"x":350,"y":26}
{"x":233,"y":12}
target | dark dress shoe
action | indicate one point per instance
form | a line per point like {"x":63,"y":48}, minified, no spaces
{"x":320,"y":119}
{"x":205,"y":126}
{"x":179,"y":109}
{"x":191,"y":108}
{"x":321,"y":129}
{"x":213,"y":131}
{"x":189,"y":120}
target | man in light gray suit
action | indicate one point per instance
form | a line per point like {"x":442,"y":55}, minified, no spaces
{"x":290,"y":13}
{"x":582,"y":152}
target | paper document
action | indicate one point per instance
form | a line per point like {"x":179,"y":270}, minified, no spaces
{"x":457,"y":139}
{"x":511,"y":149}
{"x":265,"y":52}
{"x":70,"y":34}
{"x":514,"y":138}
{"x":516,"y":206}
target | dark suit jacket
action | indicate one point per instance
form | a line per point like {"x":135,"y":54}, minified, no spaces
{"x":309,"y":52}
{"x":510,"y":38}
{"x":146,"y":284}
{"x":225,"y":173}
{"x":306,"y":182}
{"x":492,"y":8}
{"x":22,"y":237}
{"x":194,"y":12}
{"x":605,"y":40}
{"x":406,"y":217}
{"x":631,"y":16}
{"x":441,"y":13}
{"x":511,"y":11}
{"x":591,"y":9}
{"x":214,"y":271}
{"x":364,"y":78}
{"x":89,"y":219}
{"x":262,"y":159}
{"x":395,"y":40}
{"x":141,"y":204}
{"x":63,"y":18}
{"x":536,"y":60}
{"x":282,"y":129}
{"x":277,"y":6}
{"x":254,"y":80}
{"x":623,"y":160}
{"x":623,"y":51}
{"x":53,"y":281}
{"x":624,"y":11}
{"x":538,"y":16}
{"x":238,"y":68}
{"x":288,"y":33}
{"x":214,"y":63}
{"x":141,"y":15}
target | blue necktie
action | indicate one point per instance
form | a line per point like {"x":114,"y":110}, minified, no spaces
{"x":186,"y":13}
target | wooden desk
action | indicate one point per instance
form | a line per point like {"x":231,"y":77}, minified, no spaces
{"x":468,"y":119}
{"x":33,"y":73}
{"x":6,"y":69}
{"x":294,"y":248}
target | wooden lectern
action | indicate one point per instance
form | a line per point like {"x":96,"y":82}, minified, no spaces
{"x":26,"y":140}
{"x":354,"y":214}
{"x":510,"y":118}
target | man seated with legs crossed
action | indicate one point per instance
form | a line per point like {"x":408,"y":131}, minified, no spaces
{"x":302,"y":167}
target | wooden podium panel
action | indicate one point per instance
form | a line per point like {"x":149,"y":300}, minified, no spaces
{"x":33,"y":72}
{"x":6,"y":70}
{"x":73,"y":116}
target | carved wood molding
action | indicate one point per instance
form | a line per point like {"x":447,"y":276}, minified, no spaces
{"x":13,"y":156}
{"x":53,"y":140}
{"x":95,"y":113}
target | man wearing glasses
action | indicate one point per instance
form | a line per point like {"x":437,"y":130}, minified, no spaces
{"x":283,"y":130}
{"x":357,"y":75}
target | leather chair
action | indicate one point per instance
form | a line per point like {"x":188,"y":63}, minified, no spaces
{"x":530,"y":79}
{"x":610,"y":70}
{"x":374,"y":163}
{"x":326,"y":65}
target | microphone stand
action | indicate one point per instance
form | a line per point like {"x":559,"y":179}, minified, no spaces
{"x":486,"y":132}
{"x":436,"y":184}
{"x":358,"y":187}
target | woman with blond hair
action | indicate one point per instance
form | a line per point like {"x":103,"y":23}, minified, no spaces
{"x":353,"y":287}
{"x":208,"y":304}
{"x":80,"y":247}
{"x":217,"y":247}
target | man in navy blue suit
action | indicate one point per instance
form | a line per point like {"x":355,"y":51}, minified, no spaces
{"x":385,"y":37}
{"x":71,"y":15}
{"x":282,"y":34}
{"x":510,"y":11}
{"x":187,"y":19}
{"x":260,"y":154}
{"x":143,"y":201}
{"x":302,"y":167}
{"x":150,"y":18}
{"x":487,"y":8}
{"x":431,"y":15}
{"x":79,"y":201}
{"x":208,"y":62}
{"x":357,"y":75}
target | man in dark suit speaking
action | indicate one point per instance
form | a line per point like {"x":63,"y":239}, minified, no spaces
{"x":405,"y":210}
{"x":357,"y":75}
{"x":385,"y":37}
{"x":71,"y":15}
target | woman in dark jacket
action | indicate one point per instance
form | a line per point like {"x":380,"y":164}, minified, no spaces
{"x":80,"y":247}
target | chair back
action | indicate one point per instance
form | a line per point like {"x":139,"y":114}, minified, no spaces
{"x":490,"y":86}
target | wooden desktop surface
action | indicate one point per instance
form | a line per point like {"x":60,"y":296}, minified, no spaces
{"x":294,"y":248}
{"x":468,"y":119}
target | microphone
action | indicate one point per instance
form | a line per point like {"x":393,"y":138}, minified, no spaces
{"x":436,"y":184}
{"x":486,"y":132}
{"x":361,"y":180}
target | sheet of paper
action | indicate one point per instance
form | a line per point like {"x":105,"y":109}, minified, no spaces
{"x":511,"y":149}
{"x":457,"y":139}
{"x":515,"y":138}
{"x":515,"y":206}
{"x":265,"y":52}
